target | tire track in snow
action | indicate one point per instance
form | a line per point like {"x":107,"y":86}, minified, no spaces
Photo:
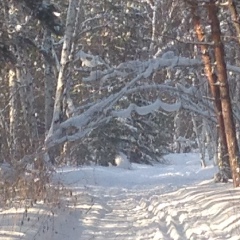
{"x":186,"y":214}
{"x":202,"y":212}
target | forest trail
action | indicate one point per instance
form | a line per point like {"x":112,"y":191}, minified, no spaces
{"x":199,"y":212}
{"x":147,"y":203}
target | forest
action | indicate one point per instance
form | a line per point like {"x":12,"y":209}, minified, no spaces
{"x":82,"y":81}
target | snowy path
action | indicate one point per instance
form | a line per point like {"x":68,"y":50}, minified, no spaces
{"x":158,"y":203}
{"x":201,"y":212}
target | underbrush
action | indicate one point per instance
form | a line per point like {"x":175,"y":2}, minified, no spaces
{"x":27,"y":182}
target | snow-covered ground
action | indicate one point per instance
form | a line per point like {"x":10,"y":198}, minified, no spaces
{"x":176,"y":201}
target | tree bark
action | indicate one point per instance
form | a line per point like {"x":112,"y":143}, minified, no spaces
{"x":49,"y":81}
{"x":235,"y":17}
{"x":49,"y":87}
{"x":229,"y":124}
{"x":236,"y":22}
{"x":13,"y":117}
{"x":214,"y":88}
{"x":200,"y":142}
{"x":61,"y":81}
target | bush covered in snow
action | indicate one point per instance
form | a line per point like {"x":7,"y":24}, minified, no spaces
{"x":122,"y":161}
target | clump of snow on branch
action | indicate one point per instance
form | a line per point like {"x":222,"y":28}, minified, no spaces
{"x":145,"y":68}
{"x":158,"y":104}
{"x":168,"y":55}
{"x":88,"y":60}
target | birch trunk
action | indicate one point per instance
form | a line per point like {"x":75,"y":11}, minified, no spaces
{"x":13,"y":113}
{"x":200,"y":141}
{"x":61,"y":81}
{"x":177,"y":126}
{"x":49,"y":81}
{"x":211,"y":139}
{"x":68,"y":102}
{"x":154,"y":7}
{"x":49,"y":88}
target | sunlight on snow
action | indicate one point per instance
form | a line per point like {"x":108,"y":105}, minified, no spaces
{"x":177,"y":201}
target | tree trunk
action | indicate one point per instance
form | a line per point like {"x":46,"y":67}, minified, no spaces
{"x":13,"y":121}
{"x":214,"y":88}
{"x":236,"y":22}
{"x":200,"y":140}
{"x":229,"y":124}
{"x":49,"y":87}
{"x":49,"y":80}
{"x":235,"y":17}
{"x":177,"y":126}
{"x":61,"y":82}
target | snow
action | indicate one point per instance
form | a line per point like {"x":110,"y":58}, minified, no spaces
{"x":175,"y":201}
{"x":168,"y":55}
{"x":88,"y":60}
{"x":102,"y":109}
{"x":158,"y":104}
{"x":146,"y":68}
{"x":122,"y":161}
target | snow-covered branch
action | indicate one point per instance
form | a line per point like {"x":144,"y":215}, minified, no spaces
{"x":79,"y":126}
{"x":158,"y":104}
{"x":136,"y":66}
{"x":233,"y":68}
{"x":146,"y":68}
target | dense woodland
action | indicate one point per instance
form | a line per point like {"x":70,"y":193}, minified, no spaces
{"x":82,"y":81}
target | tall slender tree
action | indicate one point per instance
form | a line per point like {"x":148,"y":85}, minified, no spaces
{"x":214,"y":87}
{"x":58,"y":111}
{"x":227,"y":112}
